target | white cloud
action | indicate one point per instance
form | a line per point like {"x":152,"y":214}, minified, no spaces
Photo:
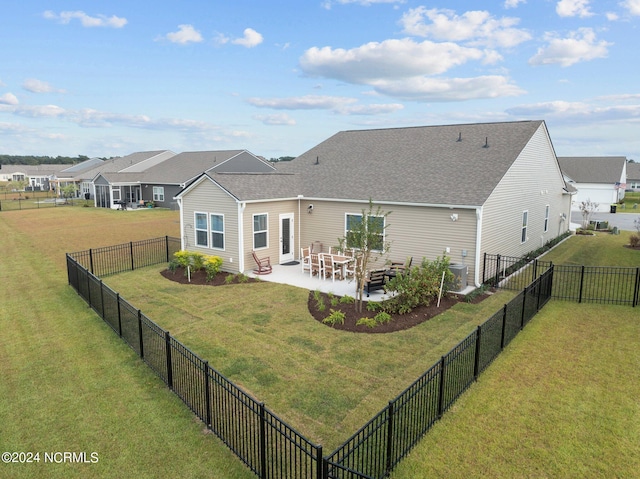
{"x":8,"y":99}
{"x":250,"y":39}
{"x":589,"y":112}
{"x":474,"y":27}
{"x":185,"y":34}
{"x":275,"y":119}
{"x":39,"y":86}
{"x":581,"y":45}
{"x":573,"y":8}
{"x":86,"y":20}
{"x":449,"y":89}
{"x":632,"y":5}
{"x":364,"y":3}
{"x":336,"y":104}
{"x":388,"y":59}
{"x":513,"y":3}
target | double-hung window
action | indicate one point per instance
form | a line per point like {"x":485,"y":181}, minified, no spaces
{"x":260,"y":231}
{"x":202,"y":234}
{"x":217,"y":231}
{"x":546,"y":219}
{"x":525,"y":222}
{"x":375,"y":226}
{"x":158,"y":193}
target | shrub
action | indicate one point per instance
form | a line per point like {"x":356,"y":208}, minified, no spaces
{"x":347,"y":299}
{"x":369,"y":322}
{"x":173,"y":265}
{"x":212,"y":265}
{"x":634,"y":240}
{"x":419,"y":286}
{"x":336,"y":317}
{"x":183,"y":258}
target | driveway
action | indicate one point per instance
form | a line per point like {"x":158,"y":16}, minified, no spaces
{"x":624,"y":221}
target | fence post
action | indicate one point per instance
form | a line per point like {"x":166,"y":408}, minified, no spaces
{"x":484,"y":267}
{"x":524,"y":307}
{"x":119,"y":315}
{"x":263,"y":443}
{"x":102,"y":298}
{"x":476,"y":365}
{"x":207,"y":393}
{"x":441,"y":389}
{"x":166,"y":243}
{"x":636,"y":292}
{"x":389,"y":436}
{"x":322,"y":466}
{"x":131,"y":251}
{"x":91,"y":261}
{"x":497,"y":279}
{"x":504,"y":325}
{"x":535,"y":269}
{"x":167,"y":340}
{"x":581,"y":284}
{"x":140,"y":334}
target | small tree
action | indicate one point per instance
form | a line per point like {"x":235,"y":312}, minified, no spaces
{"x":587,"y":208}
{"x":69,"y":191}
{"x":21,"y":185}
{"x":366,"y":236}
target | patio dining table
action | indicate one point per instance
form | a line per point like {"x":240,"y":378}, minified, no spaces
{"x":341,"y":261}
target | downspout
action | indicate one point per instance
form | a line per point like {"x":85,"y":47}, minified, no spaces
{"x":182,"y":231}
{"x":241,"y":207}
{"x":299,"y":226}
{"x":476,"y":274}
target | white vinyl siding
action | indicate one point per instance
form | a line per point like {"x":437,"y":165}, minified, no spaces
{"x":260,"y":231}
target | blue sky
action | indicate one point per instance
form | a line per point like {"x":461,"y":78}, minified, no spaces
{"x":108,"y":78}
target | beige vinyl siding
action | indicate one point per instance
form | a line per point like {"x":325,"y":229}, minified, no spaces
{"x":417,"y":231}
{"x":273,"y":210}
{"x":533,"y":182}
{"x":206,"y":197}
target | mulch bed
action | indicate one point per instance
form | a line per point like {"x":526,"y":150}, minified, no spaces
{"x":399,"y":322}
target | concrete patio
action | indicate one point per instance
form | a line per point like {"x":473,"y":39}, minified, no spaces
{"x":292,"y":275}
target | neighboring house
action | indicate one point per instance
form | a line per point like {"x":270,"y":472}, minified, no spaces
{"x":463,"y":190}
{"x":633,"y":177}
{"x":73,"y":175}
{"x":160,"y":183}
{"x":40,"y":176}
{"x":599,"y":179}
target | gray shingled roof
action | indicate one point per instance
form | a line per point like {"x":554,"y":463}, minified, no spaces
{"x":186,"y":166}
{"x":425,"y":165}
{"x":592,"y":169}
{"x":633,"y":171}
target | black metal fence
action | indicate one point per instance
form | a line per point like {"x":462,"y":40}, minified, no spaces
{"x":19,"y":204}
{"x":584,"y":284}
{"x":127,"y":256}
{"x":266,"y":444}
{"x":385,"y":440}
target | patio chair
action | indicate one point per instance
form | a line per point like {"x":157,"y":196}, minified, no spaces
{"x":305,"y":260}
{"x":329,"y":266}
{"x":399,"y":268}
{"x":264,"y":264}
{"x":375,"y":280}
{"x":315,"y":265}
{"x":350,"y":269}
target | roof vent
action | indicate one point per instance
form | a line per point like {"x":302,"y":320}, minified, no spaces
{"x":459,"y":137}
{"x":486,"y":142}
{"x":317,"y":160}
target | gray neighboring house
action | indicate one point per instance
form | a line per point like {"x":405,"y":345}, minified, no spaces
{"x":160,"y":183}
{"x":633,"y":177}
{"x":41,"y":177}
{"x":599,"y":179}
{"x":460,"y":190}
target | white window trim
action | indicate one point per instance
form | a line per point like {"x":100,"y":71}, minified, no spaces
{"x":196,"y":229}
{"x":525,"y":225}
{"x":384,"y":224}
{"x":211,"y":231}
{"x":158,"y":193}
{"x":253,"y":226}
{"x":547,"y":208}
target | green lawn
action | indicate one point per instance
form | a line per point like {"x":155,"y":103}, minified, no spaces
{"x":68,"y":383}
{"x":630,"y":199}
{"x":602,"y":249}
{"x":560,"y":402}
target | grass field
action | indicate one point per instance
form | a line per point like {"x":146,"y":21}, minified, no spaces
{"x":69,"y":384}
{"x":602,"y":249}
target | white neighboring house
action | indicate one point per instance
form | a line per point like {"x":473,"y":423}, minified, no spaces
{"x":599,"y":179}
{"x":633,"y":177}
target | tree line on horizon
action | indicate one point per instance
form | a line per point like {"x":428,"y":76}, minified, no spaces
{"x":41,"y":160}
